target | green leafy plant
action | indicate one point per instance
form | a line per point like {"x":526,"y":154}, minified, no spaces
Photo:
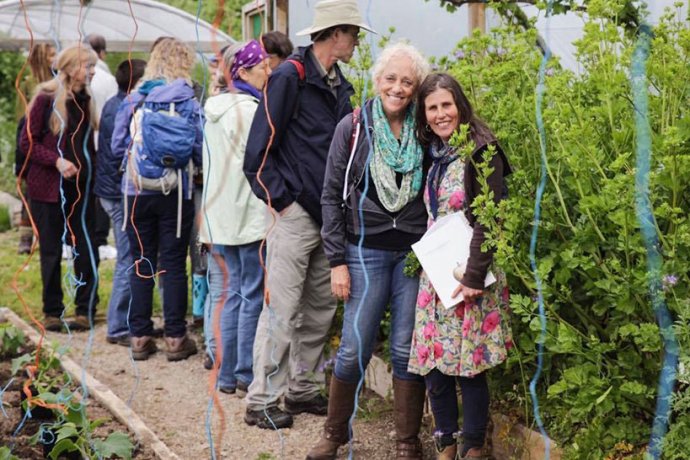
{"x":6,"y":454}
{"x":11,"y":339}
{"x":73,"y":432}
{"x":358,"y":70}
{"x":603,"y":346}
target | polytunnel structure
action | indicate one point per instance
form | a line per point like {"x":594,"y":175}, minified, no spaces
{"x":125,"y":25}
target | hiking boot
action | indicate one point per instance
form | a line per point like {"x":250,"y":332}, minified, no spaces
{"x":79,"y":323}
{"x":227,"y":390}
{"x":208,"y":362}
{"x":272,"y":418}
{"x":341,"y":402}
{"x":179,"y":348}
{"x":318,"y":405}
{"x":446,"y":446}
{"x":242,"y":388}
{"x":122,"y":340}
{"x":197,"y":323}
{"x":408,"y":405}
{"x":143,"y":347}
{"x":52,"y":323}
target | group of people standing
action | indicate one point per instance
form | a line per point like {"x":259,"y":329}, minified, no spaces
{"x":338,"y":196}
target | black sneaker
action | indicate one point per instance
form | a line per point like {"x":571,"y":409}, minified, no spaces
{"x":242,"y":388}
{"x":227,"y":390}
{"x":272,"y":418}
{"x":317,"y":405}
{"x":123,"y":340}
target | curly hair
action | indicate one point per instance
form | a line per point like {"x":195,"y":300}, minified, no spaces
{"x":398,"y":50}
{"x":170,"y":59}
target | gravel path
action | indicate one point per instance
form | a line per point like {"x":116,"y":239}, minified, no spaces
{"x":173,"y":400}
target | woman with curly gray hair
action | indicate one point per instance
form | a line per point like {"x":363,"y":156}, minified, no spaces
{"x":393,"y":219}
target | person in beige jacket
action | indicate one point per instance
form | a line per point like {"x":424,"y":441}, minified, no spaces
{"x":233,"y":220}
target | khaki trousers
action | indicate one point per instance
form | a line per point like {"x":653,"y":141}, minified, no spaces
{"x":292,"y":330}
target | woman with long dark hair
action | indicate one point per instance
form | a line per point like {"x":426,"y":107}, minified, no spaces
{"x":458,"y":345}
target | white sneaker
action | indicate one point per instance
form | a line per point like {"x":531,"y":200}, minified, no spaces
{"x":107,"y":252}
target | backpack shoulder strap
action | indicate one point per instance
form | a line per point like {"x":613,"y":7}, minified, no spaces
{"x":299,"y":66}
{"x":354,"y":137}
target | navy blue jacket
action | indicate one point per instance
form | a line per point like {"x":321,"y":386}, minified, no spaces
{"x":108,"y":175}
{"x":296,"y":160}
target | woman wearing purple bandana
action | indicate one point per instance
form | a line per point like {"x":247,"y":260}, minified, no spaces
{"x":233,"y":219}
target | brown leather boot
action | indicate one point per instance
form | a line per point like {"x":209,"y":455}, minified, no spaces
{"x":408,"y":405}
{"x":143,"y":347}
{"x":179,"y":348}
{"x":448,"y":453}
{"x":341,"y":403}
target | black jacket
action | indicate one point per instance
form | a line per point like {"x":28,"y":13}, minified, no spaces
{"x":108,"y":175}
{"x":304,"y":114}
{"x":341,"y":217}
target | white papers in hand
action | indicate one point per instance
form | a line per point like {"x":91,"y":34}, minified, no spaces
{"x":442,"y":248}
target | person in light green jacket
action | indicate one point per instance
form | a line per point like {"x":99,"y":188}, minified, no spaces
{"x":234,"y":220}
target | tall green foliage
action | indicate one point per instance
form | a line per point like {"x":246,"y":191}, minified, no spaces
{"x":230,"y":13}
{"x":603,"y":347}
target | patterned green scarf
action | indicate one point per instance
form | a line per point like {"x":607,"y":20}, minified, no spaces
{"x":390,"y":157}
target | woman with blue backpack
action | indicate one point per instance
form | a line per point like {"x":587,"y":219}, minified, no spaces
{"x":158,"y":133}
{"x":233,"y":219}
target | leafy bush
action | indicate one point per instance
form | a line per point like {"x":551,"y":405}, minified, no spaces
{"x":603,"y":347}
{"x":11,"y":340}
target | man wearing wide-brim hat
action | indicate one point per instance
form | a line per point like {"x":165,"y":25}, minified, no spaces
{"x":285,"y":161}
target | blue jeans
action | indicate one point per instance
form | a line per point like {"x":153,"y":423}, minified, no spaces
{"x":243,"y":301}
{"x":215,"y":295}
{"x":118,"y":306}
{"x":387,"y":286}
{"x":155,"y":217}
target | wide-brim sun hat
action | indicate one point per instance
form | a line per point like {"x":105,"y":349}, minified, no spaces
{"x":329,"y":13}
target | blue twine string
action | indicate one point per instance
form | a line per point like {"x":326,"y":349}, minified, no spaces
{"x":541,"y":88}
{"x":645,"y":217}
{"x":2,"y":395}
{"x":360,"y":249}
{"x":27,"y":415}
{"x":204,"y":195}
{"x":94,"y":268}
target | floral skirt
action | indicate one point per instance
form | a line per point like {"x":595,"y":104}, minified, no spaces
{"x":464,"y":340}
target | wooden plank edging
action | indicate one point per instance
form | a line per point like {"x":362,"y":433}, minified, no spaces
{"x":104,"y":395}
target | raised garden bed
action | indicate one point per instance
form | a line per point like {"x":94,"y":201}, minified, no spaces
{"x":61,"y":423}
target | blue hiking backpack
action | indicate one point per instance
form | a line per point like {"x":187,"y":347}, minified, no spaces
{"x":166,"y":141}
{"x":162,"y":146}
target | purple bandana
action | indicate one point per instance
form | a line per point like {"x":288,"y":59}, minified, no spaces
{"x":247,"y":57}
